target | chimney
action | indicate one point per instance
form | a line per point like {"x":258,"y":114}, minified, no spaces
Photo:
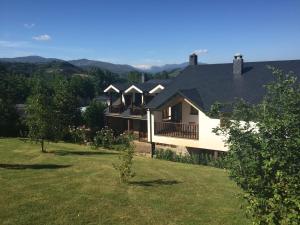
{"x":238,"y":64}
{"x":193,"y":59}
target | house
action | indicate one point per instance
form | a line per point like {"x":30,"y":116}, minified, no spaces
{"x":127,"y":106}
{"x":177,"y":114}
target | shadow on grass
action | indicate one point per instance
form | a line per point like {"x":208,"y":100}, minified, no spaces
{"x":32,"y":166}
{"x":64,"y":152}
{"x":152,"y":183}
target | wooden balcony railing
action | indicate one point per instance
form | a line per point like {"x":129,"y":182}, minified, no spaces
{"x":116,"y":108}
{"x":179,"y":130}
{"x":137,"y":110}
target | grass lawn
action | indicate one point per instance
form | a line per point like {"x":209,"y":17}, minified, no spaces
{"x":76,"y":185}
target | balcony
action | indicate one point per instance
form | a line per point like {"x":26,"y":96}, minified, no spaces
{"x":137,"y":110}
{"x":178,"y":130}
{"x":116,"y":108}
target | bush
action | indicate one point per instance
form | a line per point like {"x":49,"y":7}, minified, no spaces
{"x":78,"y":135}
{"x":104,"y":138}
{"x":124,"y":166}
{"x":264,"y":157}
{"x":124,"y":140}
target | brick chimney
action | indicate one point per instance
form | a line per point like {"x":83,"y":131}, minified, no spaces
{"x":238,"y":64}
{"x":193,"y":59}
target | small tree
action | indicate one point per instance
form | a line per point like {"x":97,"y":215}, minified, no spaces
{"x":65,"y":107}
{"x":265,"y":155}
{"x":94,"y":116}
{"x":124,"y":166}
{"x":40,"y":116}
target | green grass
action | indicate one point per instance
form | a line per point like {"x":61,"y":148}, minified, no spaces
{"x":77,"y":185}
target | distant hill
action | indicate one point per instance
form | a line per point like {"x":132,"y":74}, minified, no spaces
{"x":85,"y":64}
{"x":52,"y":67}
{"x":167,"y":68}
{"x":29,"y":59}
{"x":115,"y":68}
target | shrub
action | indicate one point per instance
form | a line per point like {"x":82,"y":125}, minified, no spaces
{"x":124,"y":166}
{"x":104,"y":138}
{"x":124,"y":140}
{"x":264,"y":157}
{"x":78,"y":135}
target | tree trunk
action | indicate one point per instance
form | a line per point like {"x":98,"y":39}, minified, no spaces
{"x":42,"y":144}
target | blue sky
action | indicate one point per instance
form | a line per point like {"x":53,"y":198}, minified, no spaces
{"x":155,"y":32}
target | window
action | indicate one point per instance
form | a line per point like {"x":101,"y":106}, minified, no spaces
{"x":194,"y":111}
{"x":166,"y":113}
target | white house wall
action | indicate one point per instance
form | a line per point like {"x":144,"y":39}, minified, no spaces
{"x":186,"y":114}
{"x":207,"y":139}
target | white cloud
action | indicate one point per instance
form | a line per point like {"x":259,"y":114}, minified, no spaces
{"x":29,"y":25}
{"x":200,"y":51}
{"x":43,"y":37}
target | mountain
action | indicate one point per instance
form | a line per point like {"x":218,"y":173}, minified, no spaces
{"x":80,"y":64}
{"x":115,"y":68}
{"x":167,"y":68}
{"x":29,"y":59}
{"x":121,"y":69}
{"x":51,"y":67}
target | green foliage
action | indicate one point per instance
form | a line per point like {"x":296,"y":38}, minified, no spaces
{"x":78,"y":135}
{"x":82,"y":87}
{"x":134,"y":77}
{"x":199,"y":158}
{"x":265,"y":157}
{"x":124,"y":166}
{"x":101,"y":79}
{"x":104,"y":138}
{"x":9,"y":119}
{"x":65,"y":105}
{"x":40,"y":116}
{"x":94,"y":116}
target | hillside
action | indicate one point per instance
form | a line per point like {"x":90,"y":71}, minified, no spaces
{"x":115,"y":68}
{"x":121,"y":69}
{"x":52,"y":67}
{"x":73,"y":184}
{"x":29,"y":59}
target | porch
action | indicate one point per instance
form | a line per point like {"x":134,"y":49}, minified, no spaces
{"x":178,"y":130}
{"x":176,"y":119}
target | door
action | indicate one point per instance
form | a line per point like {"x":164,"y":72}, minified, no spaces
{"x":176,"y":113}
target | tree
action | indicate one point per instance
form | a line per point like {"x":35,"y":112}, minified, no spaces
{"x":94,"y":116}
{"x":9,"y":118}
{"x":264,"y":156}
{"x":134,"y":77}
{"x":65,"y":106}
{"x":40,"y":117}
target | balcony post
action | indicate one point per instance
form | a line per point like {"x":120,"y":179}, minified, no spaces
{"x":110,"y":101}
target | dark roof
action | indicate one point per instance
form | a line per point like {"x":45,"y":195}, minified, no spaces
{"x":145,"y":87}
{"x":209,"y":83}
{"x":121,"y":86}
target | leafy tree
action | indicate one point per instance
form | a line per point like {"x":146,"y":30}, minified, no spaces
{"x":65,"y":107}
{"x":264,"y":154}
{"x":40,"y":116}
{"x":82,"y":87}
{"x":101,"y":79}
{"x":134,"y":77}
{"x":9,"y":119}
{"x":94,"y":116}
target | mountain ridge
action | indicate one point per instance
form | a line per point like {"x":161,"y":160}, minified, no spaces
{"x":87,"y":63}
